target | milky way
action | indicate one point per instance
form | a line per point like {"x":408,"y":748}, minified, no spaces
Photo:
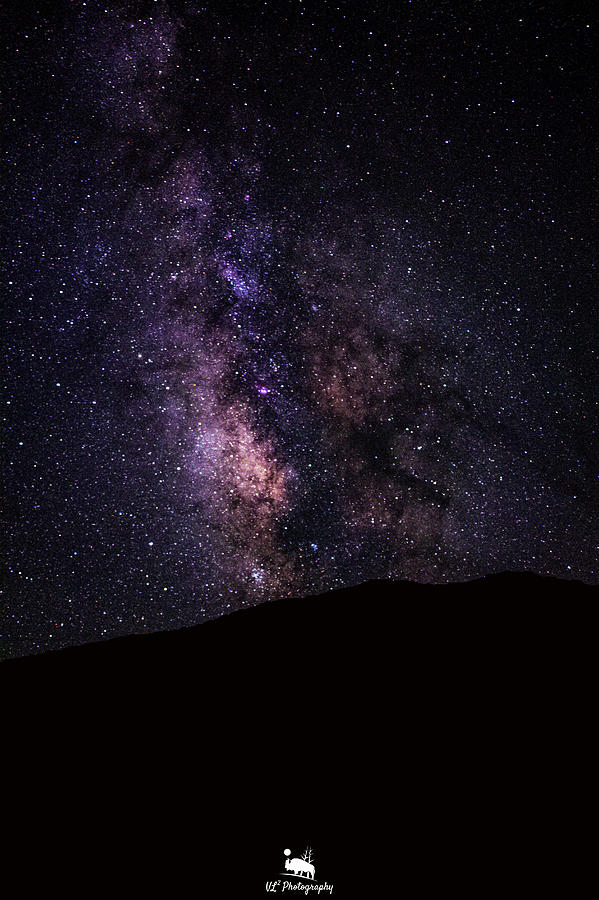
{"x":298,"y":297}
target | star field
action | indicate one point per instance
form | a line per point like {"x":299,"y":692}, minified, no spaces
{"x":298,"y":295}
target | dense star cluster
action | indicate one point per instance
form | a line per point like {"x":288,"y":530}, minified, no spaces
{"x":299,"y":295}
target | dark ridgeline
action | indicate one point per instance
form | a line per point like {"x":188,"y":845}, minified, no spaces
{"x":342,"y":627}
{"x":402,"y":730}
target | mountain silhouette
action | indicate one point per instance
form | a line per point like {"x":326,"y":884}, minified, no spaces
{"x":350,"y":653}
{"x":393,"y":717}
{"x":341,"y":626}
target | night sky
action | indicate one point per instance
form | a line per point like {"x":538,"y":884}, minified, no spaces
{"x":299,"y":295}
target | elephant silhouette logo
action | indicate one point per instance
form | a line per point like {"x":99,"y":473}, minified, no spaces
{"x":301,"y":867}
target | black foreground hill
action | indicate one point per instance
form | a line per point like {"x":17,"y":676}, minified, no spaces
{"x":329,"y":661}
{"x":351,"y":633}
{"x":416,"y":736}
